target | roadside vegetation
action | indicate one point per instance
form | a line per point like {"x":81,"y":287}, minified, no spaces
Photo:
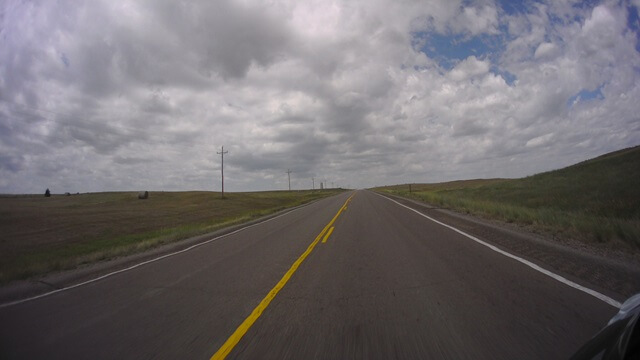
{"x":42,"y":234}
{"x":594,"y":201}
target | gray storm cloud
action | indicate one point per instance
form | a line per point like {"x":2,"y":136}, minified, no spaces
{"x":109,"y":95}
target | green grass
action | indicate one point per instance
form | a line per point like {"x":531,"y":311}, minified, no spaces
{"x":39,"y":235}
{"x":596,"y":201}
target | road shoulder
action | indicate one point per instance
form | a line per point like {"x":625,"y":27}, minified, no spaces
{"x":613,"y":274}
{"x":46,"y":283}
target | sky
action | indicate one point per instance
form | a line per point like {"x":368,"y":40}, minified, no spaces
{"x":142,"y":95}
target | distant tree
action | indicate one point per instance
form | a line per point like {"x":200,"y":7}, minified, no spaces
{"x":47,"y":193}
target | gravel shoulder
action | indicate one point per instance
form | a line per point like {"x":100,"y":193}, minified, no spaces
{"x":612,"y":272}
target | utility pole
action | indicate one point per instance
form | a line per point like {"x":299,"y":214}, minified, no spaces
{"x":313,"y":183}
{"x":289,"y":177}
{"x":221,"y":153}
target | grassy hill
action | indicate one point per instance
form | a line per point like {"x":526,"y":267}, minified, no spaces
{"x":595,"y":200}
{"x":39,"y":235}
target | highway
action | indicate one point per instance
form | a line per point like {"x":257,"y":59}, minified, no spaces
{"x":354,"y":276}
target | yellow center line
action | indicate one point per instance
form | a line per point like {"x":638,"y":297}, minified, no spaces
{"x":328,"y":234}
{"x":233,"y":340}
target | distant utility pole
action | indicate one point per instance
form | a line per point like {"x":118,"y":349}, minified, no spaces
{"x":313,"y":183}
{"x":221,"y":153}
{"x":289,"y":177}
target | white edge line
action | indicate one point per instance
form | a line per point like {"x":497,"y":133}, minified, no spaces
{"x":555,"y":276}
{"x":16,"y":302}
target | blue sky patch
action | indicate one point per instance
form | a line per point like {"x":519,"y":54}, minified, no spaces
{"x":64,"y":60}
{"x":586,"y":95}
{"x":587,"y":4}
{"x":508,"y":77}
{"x":448,"y":50}
{"x":632,"y":19}
{"x":633,"y":23}
{"x":515,"y":7}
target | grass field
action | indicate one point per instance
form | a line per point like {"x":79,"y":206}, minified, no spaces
{"x":39,"y":235}
{"x":595,"y":201}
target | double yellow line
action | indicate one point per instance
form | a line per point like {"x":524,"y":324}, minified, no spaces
{"x":233,"y":340}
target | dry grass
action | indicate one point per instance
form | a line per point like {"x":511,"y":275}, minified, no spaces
{"x":595,"y":201}
{"x":39,"y":234}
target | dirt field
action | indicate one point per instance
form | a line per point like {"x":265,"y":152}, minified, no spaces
{"x":39,"y":234}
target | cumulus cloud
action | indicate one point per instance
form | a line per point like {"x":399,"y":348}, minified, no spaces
{"x":109,"y":95}
{"x":469,"y":68}
{"x":546,"y":50}
{"x":476,"y":20}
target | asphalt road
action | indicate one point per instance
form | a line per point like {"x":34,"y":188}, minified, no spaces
{"x":387,"y":283}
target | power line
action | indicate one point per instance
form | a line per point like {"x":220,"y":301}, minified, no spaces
{"x":221,"y":153}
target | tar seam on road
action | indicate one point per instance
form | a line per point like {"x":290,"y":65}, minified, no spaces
{"x":233,"y":340}
{"x":16,"y":302}
{"x":555,"y":276}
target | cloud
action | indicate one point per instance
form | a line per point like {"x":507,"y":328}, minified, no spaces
{"x":109,"y":95}
{"x":546,"y":50}
{"x":539,"y":141}
{"x":476,"y":20}
{"x":469,"y":68}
